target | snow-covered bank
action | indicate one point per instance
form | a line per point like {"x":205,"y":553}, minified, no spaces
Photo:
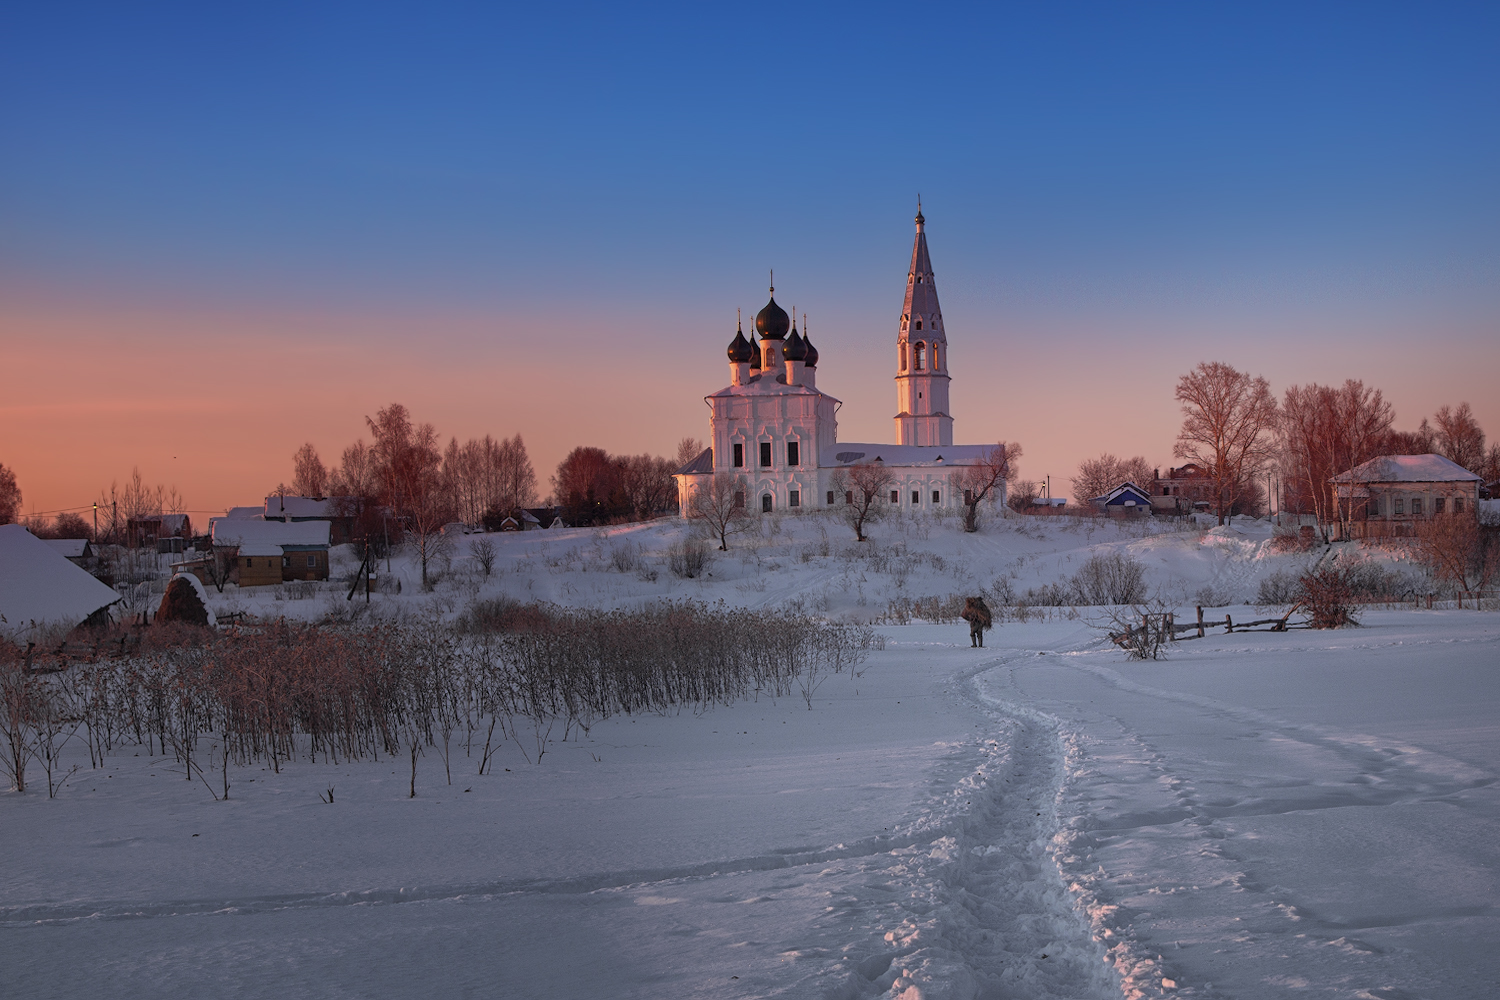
{"x":1260,"y":815}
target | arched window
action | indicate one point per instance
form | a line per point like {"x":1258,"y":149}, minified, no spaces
{"x":917,"y":355}
{"x":903,"y":357}
{"x":919,"y":324}
{"x":935,"y":366}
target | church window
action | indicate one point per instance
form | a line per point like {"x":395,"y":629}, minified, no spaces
{"x":765,"y":454}
{"x":1400,"y":506}
{"x":919,"y":324}
{"x":848,"y":496}
{"x":1375,"y":506}
{"x":830,"y":498}
{"x":739,"y":499}
{"x":1416,"y":507}
{"x":969,"y":497}
{"x":934,"y":357}
{"x":739,"y":456}
{"x":903,"y":357}
{"x":1437,"y":505}
{"x":935,"y":496}
{"x":919,"y":281}
{"x":1458,"y":505}
{"x":895,"y":496}
{"x":916,"y":496}
{"x":765,"y":503}
{"x":794,"y":498}
{"x":917,"y":354}
{"x":793,"y":454}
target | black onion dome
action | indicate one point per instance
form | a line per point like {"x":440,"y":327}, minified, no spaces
{"x":772,"y":322}
{"x":739,"y":348}
{"x":754,"y":353}
{"x":796,"y":347}
{"x":811,"y":361}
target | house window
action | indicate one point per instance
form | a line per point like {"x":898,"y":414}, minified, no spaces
{"x":1437,"y":505}
{"x":286,"y":562}
{"x":739,"y":499}
{"x":918,"y":353}
{"x":1458,"y":505}
{"x":312,"y":560}
{"x":1416,"y":506}
{"x":247,"y":563}
{"x":794,"y":498}
{"x":765,"y":503}
{"x":793,"y":453}
{"x":936,"y":496}
{"x":1400,"y":506}
{"x":739,"y":456}
{"x":916,"y":496}
{"x":765,"y":454}
{"x":848,"y":496}
{"x":830,"y":498}
{"x":895,"y":496}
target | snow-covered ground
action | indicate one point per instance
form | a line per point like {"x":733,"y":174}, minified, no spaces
{"x":1259,"y":815}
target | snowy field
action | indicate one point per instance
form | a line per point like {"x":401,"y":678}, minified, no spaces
{"x":1259,"y":815}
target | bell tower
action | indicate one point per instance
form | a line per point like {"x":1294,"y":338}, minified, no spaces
{"x":922,"y":416}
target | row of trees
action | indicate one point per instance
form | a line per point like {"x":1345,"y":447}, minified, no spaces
{"x":505,"y":671}
{"x":1234,"y":428}
{"x":595,"y":487}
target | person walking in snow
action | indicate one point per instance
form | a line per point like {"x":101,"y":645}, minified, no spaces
{"x":977,"y":614}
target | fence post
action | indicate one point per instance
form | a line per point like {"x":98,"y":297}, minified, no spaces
{"x":1429,"y":602}
{"x":1200,"y":621}
{"x":1171,"y":626}
{"x":1228,"y":622}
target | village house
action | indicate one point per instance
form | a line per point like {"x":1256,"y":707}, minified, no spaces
{"x":42,"y":594}
{"x":339,"y":512}
{"x":776,"y":428}
{"x":1182,"y":490}
{"x":269,"y":552}
{"x":1390,"y":494}
{"x":164,"y":532}
{"x":1127,"y":499}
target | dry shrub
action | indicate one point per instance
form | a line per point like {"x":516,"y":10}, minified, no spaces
{"x":688,"y":558}
{"x":1110,"y":578}
{"x":1328,"y":596}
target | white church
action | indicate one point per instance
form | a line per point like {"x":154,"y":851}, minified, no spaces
{"x":776,"y":428}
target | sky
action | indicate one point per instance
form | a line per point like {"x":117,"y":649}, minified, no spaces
{"x":227,"y":232}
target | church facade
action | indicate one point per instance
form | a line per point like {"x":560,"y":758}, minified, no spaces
{"x":777,"y":430}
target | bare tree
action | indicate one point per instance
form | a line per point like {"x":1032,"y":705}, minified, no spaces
{"x":974,"y":483}
{"x":648,"y":485}
{"x":10,"y":496}
{"x":409,"y":468}
{"x":1228,"y":417}
{"x":1097,"y":476}
{"x":1457,"y":550}
{"x":688,"y":449}
{"x":1323,"y":431}
{"x":484,"y":555}
{"x":719,"y":504}
{"x":1459,"y":438}
{"x":864,"y":487}
{"x":1021,"y":495}
{"x":309,"y":477}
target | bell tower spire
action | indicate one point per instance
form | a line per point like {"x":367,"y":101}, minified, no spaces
{"x":922,"y":416}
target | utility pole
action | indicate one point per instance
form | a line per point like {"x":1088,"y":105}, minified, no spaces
{"x":96,"y":523}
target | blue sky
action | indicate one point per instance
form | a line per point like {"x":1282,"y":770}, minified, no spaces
{"x":1114,"y":193}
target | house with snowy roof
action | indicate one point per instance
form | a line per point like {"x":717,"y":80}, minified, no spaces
{"x":1125,"y":499}
{"x":773,"y":426}
{"x":339,"y":512}
{"x":1396,"y":491}
{"x":41,"y":592}
{"x":270,"y":552}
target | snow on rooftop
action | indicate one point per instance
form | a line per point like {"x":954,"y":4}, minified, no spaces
{"x":233,"y":531}
{"x":1408,"y":469}
{"x":38,"y":586}
{"x":244,"y":514}
{"x":300,"y":506}
{"x":70,"y":548}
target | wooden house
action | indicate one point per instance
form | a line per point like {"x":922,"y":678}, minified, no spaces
{"x":339,"y":512}
{"x":1389,"y":495}
{"x":268,"y":552}
{"x":1125,"y":499}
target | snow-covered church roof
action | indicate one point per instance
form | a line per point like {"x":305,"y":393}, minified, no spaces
{"x":40,"y":587}
{"x":1407,"y":469}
